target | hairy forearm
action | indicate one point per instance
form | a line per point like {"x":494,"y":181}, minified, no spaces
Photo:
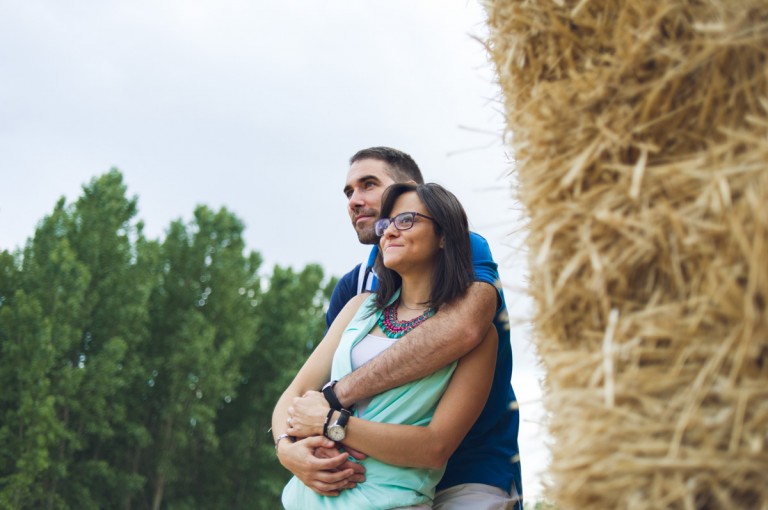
{"x":459,"y":407}
{"x":413,"y":446}
{"x":453,"y":332}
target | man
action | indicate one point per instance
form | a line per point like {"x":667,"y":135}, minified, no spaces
{"x":484,"y":472}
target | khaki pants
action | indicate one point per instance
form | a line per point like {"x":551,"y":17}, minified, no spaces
{"x":472,"y":496}
{"x":476,"y":496}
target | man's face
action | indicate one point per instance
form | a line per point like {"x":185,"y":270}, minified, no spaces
{"x":366,"y":181}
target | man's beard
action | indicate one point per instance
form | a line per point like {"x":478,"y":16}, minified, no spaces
{"x":367,"y":236}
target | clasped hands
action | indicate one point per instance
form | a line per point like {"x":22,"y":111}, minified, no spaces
{"x":307,"y":415}
{"x":314,"y":459}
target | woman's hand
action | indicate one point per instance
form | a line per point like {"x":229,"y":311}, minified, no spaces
{"x":320,"y":465}
{"x":307,"y":415}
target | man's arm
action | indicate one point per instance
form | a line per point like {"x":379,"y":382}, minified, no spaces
{"x":409,"y":445}
{"x":454,"y":331}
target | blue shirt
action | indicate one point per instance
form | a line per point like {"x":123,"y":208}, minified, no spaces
{"x":489,"y":454}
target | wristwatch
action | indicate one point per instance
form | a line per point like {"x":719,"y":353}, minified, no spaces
{"x":327,"y":421}
{"x":338,"y":431}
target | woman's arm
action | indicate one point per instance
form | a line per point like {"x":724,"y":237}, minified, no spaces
{"x":408,"y":445}
{"x":328,"y":473}
{"x":317,"y":369}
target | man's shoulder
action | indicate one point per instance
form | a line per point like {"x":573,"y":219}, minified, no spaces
{"x":346,"y":289}
{"x":347,"y":284}
{"x":478,"y":243}
{"x":482,"y":259}
{"x":475,"y":237}
{"x":351,"y":276}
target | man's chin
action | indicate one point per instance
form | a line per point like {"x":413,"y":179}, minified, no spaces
{"x":367,"y":237}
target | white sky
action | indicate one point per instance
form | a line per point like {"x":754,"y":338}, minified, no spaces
{"x":257,"y":106}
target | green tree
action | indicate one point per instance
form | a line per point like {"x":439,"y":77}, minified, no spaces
{"x":27,"y":416}
{"x":39,"y":324}
{"x":111,"y":320}
{"x":202,"y":325}
{"x":140,"y":374}
{"x":80,"y":270}
{"x":290,"y":321}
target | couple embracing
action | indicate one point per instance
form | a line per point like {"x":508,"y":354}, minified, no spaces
{"x":406,"y":402}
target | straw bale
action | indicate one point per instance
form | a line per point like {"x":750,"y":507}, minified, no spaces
{"x":640,"y":135}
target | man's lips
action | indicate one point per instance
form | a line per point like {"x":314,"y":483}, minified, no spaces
{"x":362,"y":217}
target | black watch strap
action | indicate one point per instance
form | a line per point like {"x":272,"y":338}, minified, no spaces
{"x":330,"y":396}
{"x":327,"y":421}
{"x":343,"y":418}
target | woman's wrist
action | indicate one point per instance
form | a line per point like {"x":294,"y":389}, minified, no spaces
{"x":280,"y":439}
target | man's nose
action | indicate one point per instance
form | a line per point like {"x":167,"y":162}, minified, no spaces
{"x":356,"y":200}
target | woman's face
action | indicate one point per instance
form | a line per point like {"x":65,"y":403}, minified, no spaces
{"x":414,"y":249}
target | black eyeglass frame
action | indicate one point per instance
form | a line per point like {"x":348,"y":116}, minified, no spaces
{"x":382,"y":224}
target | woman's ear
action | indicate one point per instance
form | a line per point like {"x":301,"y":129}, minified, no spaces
{"x":442,"y":242}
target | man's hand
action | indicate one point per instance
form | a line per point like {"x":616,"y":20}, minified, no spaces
{"x":318,"y":463}
{"x":307,"y":415}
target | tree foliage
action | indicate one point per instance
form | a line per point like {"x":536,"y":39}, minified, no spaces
{"x":141,"y":374}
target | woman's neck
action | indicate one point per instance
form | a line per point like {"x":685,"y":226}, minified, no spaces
{"x":415,"y":291}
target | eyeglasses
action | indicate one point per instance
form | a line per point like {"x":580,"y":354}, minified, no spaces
{"x":403,"y":221}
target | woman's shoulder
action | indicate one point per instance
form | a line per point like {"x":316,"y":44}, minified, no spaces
{"x":359,"y":302}
{"x":348,"y":313}
{"x":363,"y":299}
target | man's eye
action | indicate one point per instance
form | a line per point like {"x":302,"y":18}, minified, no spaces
{"x":369,"y":184}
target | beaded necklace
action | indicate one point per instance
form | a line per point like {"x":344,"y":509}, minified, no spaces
{"x":394,"y":328}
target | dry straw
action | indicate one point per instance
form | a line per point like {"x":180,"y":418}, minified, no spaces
{"x":640,"y":132}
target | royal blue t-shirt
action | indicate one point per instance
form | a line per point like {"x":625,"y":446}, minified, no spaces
{"x":489,"y":454}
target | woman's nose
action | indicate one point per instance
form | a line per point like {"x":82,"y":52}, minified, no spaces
{"x":391,"y":230}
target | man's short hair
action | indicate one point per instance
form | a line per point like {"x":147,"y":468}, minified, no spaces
{"x":401,"y":166}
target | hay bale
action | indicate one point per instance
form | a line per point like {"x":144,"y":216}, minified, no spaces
{"x":640,"y":133}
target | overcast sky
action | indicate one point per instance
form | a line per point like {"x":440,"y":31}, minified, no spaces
{"x":257,"y":105}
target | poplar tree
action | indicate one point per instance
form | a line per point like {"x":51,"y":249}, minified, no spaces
{"x":202,"y":324}
{"x":244,"y":472}
{"x":141,"y":374}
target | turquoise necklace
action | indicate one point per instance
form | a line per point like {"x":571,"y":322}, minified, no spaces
{"x":394,"y":328}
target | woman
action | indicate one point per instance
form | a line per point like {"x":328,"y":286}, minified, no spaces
{"x":407,"y":432}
